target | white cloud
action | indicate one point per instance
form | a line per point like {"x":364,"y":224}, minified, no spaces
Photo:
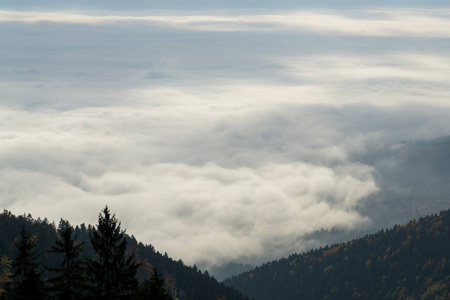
{"x":182,"y":178}
{"x":215,"y":137}
{"x":360,"y":23}
{"x":204,"y":213}
{"x":398,"y":66}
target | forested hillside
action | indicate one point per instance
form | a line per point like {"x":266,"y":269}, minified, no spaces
{"x":411,"y":261}
{"x":180,"y":281}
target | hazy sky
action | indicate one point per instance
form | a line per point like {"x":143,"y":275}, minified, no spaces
{"x":214,"y":134}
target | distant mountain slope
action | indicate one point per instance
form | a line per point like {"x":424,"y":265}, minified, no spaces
{"x":413,"y":178}
{"x":411,"y":261}
{"x":421,"y":167}
{"x":183,"y":282}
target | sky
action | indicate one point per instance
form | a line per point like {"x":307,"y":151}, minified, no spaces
{"x":216,"y":132}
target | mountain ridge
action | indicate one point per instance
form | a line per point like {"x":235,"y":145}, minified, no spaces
{"x":182,"y":282}
{"x":409,"y":261}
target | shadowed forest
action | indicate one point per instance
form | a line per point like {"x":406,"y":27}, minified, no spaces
{"x":101,"y":262}
{"x":40,"y":261}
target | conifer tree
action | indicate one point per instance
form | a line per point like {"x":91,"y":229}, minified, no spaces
{"x":114,"y":275}
{"x":154,"y":289}
{"x":26,"y":280}
{"x":70,"y":281}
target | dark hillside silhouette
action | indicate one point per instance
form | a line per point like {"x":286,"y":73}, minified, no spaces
{"x":410,"y":261}
{"x":180,"y":281}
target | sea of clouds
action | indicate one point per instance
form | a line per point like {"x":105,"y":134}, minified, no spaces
{"x":216,"y":136}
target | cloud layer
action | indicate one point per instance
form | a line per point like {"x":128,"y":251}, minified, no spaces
{"x":430,"y":23}
{"x":215,"y":137}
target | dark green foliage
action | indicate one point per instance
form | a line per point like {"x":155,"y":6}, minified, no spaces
{"x":154,"y":289}
{"x":407,"y":262}
{"x":191,"y":283}
{"x":70,"y":280}
{"x":181,"y":281}
{"x":114,"y":274}
{"x":44,"y":232}
{"x":5,"y":274}
{"x":26,"y":280}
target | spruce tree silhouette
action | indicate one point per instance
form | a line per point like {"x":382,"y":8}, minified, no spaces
{"x":70,"y":280}
{"x":154,"y":289}
{"x":26,"y":280}
{"x":113,"y":275}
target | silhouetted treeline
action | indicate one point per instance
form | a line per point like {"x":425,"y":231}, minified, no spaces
{"x":411,"y":261}
{"x":40,"y":261}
